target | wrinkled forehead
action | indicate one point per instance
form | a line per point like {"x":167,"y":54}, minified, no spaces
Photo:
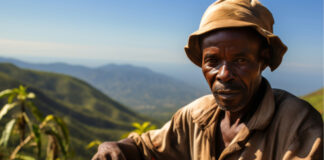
{"x":232,"y":35}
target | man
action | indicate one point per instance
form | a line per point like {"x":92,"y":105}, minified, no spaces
{"x":243,"y":118}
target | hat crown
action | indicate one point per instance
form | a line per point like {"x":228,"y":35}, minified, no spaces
{"x":233,"y":14}
{"x":250,"y":11}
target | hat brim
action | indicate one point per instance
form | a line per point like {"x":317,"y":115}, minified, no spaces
{"x":277,"y":48}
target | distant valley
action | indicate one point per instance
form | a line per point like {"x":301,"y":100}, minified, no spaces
{"x":89,"y":113}
{"x":139,"y":88}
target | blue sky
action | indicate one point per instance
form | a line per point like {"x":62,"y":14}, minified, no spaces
{"x":149,"y":33}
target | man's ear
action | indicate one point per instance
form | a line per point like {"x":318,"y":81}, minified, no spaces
{"x":265,"y":57}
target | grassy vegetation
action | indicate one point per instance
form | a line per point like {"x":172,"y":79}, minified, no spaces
{"x":316,"y":100}
{"x":89,"y":114}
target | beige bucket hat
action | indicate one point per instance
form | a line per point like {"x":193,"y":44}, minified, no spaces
{"x":237,"y":13}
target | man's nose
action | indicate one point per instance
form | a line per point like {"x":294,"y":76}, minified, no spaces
{"x":224,"y":73}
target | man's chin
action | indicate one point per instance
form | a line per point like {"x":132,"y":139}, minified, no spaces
{"x":229,"y":107}
{"x":223,"y":108}
{"x":232,"y":104}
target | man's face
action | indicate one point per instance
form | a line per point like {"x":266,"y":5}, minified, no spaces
{"x":232,"y":67}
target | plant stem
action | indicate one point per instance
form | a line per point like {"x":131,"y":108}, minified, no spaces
{"x":23,"y":122}
{"x":30,"y":137}
{"x":13,"y":154}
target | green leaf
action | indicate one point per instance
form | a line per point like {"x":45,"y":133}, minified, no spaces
{"x":63,"y":143}
{"x":136,"y":125}
{"x":152,"y":127}
{"x":36,"y":132}
{"x":26,"y":118}
{"x":93,"y":144}
{"x":22,"y":88}
{"x":16,"y":90}
{"x":24,"y":157}
{"x":31,"y":95}
{"x":6,"y":108}
{"x":125,"y":135}
{"x":21,"y":97}
{"x":36,"y":113}
{"x":145,"y":125}
{"x":11,"y":98}
{"x":141,"y":128}
{"x":6,"y":92}
{"x":63,"y":128}
{"x":7,"y":132}
{"x":47,"y":119}
{"x":138,"y":131}
{"x":59,"y":140}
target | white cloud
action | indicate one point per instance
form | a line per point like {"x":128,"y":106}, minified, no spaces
{"x":33,"y":48}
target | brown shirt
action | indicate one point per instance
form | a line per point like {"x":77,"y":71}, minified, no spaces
{"x":282,"y":127}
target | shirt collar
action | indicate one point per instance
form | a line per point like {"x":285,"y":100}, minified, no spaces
{"x":264,"y":113}
{"x":209,"y":113}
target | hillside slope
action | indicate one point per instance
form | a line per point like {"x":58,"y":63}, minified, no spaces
{"x":316,"y":100}
{"x":140,"y":88}
{"x":89,"y":113}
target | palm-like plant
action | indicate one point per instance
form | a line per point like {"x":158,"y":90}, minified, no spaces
{"x":142,"y":128}
{"x":32,"y":126}
{"x":139,"y":128}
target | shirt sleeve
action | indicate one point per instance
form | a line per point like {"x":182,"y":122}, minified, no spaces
{"x":169,"y":142}
{"x":308,"y":143}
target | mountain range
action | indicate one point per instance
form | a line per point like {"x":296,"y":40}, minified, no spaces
{"x":139,"y":88}
{"x":89,"y":114}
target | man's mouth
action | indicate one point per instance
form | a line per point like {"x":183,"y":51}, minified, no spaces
{"x":227,"y":93}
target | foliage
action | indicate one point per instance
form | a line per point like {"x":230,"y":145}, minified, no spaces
{"x":88,"y":113}
{"x":32,"y":126}
{"x":93,"y":144}
{"x":140,"y":128}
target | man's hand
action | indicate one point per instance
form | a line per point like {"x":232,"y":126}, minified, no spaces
{"x":109,"y":151}
{"x":121,"y":150}
{"x":229,"y":131}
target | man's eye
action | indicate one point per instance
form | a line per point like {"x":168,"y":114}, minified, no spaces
{"x":211,"y":60}
{"x":240,"y":60}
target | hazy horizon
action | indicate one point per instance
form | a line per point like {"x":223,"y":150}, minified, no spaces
{"x":286,"y":78}
{"x":152,"y":35}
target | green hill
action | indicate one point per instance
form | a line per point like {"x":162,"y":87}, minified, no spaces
{"x":140,"y":88}
{"x":316,"y":100}
{"x":89,"y":113}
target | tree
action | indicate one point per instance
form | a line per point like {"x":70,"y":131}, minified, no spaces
{"x":32,"y":127}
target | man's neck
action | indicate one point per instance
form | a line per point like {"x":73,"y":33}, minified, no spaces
{"x":233,"y":116}
{"x":246,"y":113}
{"x":233,"y":122}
